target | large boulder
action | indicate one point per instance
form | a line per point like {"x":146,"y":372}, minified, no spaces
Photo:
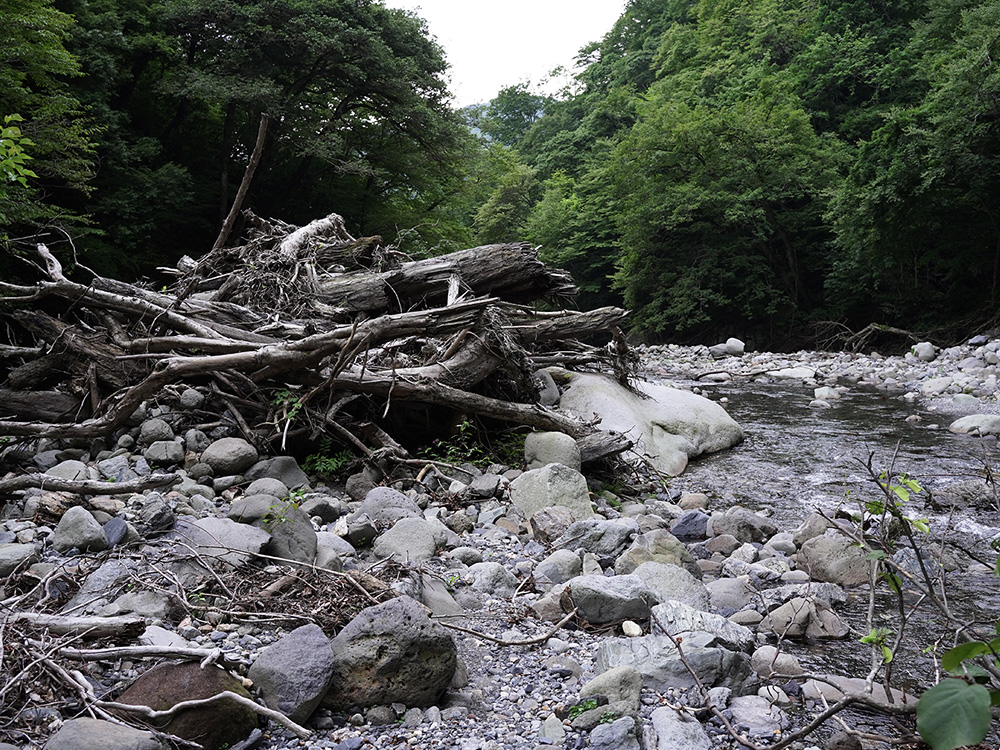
{"x":294,"y":673}
{"x":673,"y":583}
{"x":657,"y":545}
{"x":13,"y":555}
{"x":669,"y":425}
{"x":391,"y":653}
{"x":676,"y":730}
{"x":679,"y":620}
{"x":385,"y":506}
{"x":544,"y":448}
{"x":804,"y":618}
{"x":551,"y":485}
{"x":216,"y":726}
{"x":605,"y":539}
{"x":220,"y":542}
{"x":78,"y":528}
{"x":412,"y":540}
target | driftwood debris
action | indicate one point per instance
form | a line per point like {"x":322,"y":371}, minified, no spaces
{"x":304,"y":332}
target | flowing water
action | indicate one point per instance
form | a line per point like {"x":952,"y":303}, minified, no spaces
{"x":796,"y":459}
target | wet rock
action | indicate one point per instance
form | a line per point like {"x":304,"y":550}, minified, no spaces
{"x":294,"y":673}
{"x":543,"y":448}
{"x":391,"y":653}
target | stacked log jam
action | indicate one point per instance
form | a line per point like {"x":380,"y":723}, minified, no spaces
{"x":346,"y":332}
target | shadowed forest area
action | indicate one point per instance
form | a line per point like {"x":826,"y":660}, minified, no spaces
{"x":779,"y":170}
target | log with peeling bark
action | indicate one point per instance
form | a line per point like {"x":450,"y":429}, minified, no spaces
{"x":312,"y":312}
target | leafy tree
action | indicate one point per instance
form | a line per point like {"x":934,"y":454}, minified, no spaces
{"x":34,"y":69}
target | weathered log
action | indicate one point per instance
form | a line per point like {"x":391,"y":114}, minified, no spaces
{"x":600,"y":445}
{"x":510,"y":271}
{"x":85,"y":486}
{"x":321,"y":230}
{"x":128,"y":626}
{"x":45,"y":406}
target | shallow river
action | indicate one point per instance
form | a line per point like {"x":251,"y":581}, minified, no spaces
{"x":796,"y":459}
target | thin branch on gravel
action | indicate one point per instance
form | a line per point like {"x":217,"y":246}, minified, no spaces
{"x":501,"y":642}
{"x":149,"y":713}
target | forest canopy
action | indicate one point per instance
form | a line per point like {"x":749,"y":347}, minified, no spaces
{"x":719,"y":166}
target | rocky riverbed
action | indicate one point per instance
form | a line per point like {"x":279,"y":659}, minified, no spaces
{"x":513,"y":608}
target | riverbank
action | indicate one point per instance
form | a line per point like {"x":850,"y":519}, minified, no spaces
{"x":630,"y":569}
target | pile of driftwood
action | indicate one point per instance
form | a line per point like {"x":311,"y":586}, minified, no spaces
{"x":355,"y":341}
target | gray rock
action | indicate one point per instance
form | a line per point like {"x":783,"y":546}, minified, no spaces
{"x":69,"y":470}
{"x":229,"y":456}
{"x":834,"y":558}
{"x":758,"y":715}
{"x":292,"y":533}
{"x":936,"y":386}
{"x":391,"y":653}
{"x":559,"y":567}
{"x":196,"y":441}
{"x":804,"y":618}
{"x":548,"y":524}
{"x":544,"y":448}
{"x":385,"y":506}
{"x":768,"y":660}
{"x":159,"y":605}
{"x":692,"y":526}
{"x":487,"y":486}
{"x":678,"y":731}
{"x":13,"y":555}
{"x":294,"y":673}
{"x":976,"y":424}
{"x":548,"y":391}
{"x":253,"y":508}
{"x":358,"y":485}
{"x":743,"y":524}
{"x":154,"y":635}
{"x":412,"y":540}
{"x":551,"y":485}
{"x":552,"y":729}
{"x":283,"y":468}
{"x":93,"y":734}
{"x":672,"y":582}
{"x":605,"y":539}
{"x":78,"y":528}
{"x":678,"y":619}
{"x":601,"y":599}
{"x":105,"y":580}
{"x":219,"y":541}
{"x":618,"y":684}
{"x":155,"y":514}
{"x":325,"y":507}
{"x":117,"y":469}
{"x":336,"y":543}
{"x":735,"y":347}
{"x":925,"y":351}
{"x":670,"y":425}
{"x":268,"y":486}
{"x":658,"y":661}
{"x":191,"y":399}
{"x":828,"y":592}
{"x":494,"y":579}
{"x":155,"y":430}
{"x":619,"y":734}
{"x":164,"y":453}
{"x":658,"y":545}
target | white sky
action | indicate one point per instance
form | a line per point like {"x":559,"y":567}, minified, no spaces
{"x":493,"y":44}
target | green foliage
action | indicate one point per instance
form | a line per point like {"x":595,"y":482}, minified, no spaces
{"x":582,"y":707}
{"x":13,"y":157}
{"x":953,"y":713}
{"x":877,"y":637}
{"x":472,"y":445}
{"x":324,"y":463}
